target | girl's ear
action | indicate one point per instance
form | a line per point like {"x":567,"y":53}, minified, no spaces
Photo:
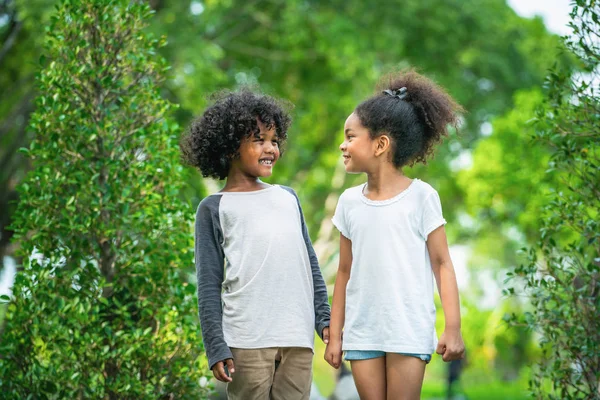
{"x":383,"y":143}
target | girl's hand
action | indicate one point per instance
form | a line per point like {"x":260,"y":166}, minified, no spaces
{"x":333,"y":353}
{"x":451,"y":346}
{"x":223,"y":370}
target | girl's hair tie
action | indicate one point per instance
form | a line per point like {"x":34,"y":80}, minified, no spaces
{"x":400,"y":93}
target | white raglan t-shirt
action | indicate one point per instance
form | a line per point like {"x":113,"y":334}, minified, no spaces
{"x":389,"y":296}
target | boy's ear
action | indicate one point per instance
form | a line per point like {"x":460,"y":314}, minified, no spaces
{"x":382,"y":145}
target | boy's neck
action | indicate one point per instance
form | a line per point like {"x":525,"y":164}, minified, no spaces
{"x":237,"y":182}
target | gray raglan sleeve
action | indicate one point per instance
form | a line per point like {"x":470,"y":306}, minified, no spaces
{"x":321,"y":301}
{"x":210,"y":262}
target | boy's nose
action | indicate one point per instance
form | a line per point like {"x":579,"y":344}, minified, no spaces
{"x":270,"y":148}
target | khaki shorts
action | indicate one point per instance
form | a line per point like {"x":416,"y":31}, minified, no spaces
{"x":274,"y":373}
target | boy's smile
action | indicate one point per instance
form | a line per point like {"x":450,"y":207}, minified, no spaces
{"x":268,"y":161}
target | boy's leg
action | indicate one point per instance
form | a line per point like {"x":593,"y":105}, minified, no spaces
{"x":293,"y":375}
{"x":253,"y":377}
{"x":404,"y":376}
{"x":369,"y":377}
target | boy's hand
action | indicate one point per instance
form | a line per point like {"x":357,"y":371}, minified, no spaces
{"x":451,"y":346}
{"x":333,"y":353}
{"x":326,"y":335}
{"x":223,"y":370}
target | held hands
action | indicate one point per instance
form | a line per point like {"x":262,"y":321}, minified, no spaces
{"x":451,"y":346}
{"x":223,"y":370}
{"x":333,"y":353}
{"x":326,"y":335}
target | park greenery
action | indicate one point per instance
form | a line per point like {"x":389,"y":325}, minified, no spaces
{"x":561,"y":275}
{"x":97,"y":210}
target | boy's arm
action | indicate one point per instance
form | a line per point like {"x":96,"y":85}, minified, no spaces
{"x":209,"y":273}
{"x":451,"y":345}
{"x":321,"y":300}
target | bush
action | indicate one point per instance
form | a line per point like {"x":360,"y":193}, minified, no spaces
{"x":562,"y":276}
{"x":101,"y":307}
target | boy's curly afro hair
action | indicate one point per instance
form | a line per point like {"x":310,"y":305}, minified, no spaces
{"x":213,"y":140}
{"x":416,"y":122}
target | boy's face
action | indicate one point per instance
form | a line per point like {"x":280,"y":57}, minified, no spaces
{"x":258,"y":154}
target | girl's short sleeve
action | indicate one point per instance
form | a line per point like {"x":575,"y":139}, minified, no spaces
{"x":432,"y":217}
{"x":339,"y":218}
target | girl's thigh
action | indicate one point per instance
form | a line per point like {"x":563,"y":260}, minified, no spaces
{"x":404,"y":376}
{"x":369,"y":377}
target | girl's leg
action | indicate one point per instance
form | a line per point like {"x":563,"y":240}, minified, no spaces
{"x":404,"y":376}
{"x":369,"y":377}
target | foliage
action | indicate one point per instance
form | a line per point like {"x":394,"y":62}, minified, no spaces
{"x":507,"y":183}
{"x":22,"y":26}
{"x":325,"y":57}
{"x":102,"y":308}
{"x":562,"y":276}
{"x":319,"y":56}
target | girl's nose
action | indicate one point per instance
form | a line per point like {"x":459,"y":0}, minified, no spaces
{"x":343,"y":146}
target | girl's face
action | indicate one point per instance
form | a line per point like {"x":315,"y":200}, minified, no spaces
{"x":258,"y":154}
{"x":358,"y":149}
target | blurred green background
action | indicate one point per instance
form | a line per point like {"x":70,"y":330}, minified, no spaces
{"x":325,"y":57}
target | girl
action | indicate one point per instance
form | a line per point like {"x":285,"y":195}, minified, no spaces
{"x":392,"y":243}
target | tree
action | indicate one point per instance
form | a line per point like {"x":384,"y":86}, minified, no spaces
{"x":101,"y":308}
{"x":562,"y":275}
{"x":507,"y":184}
{"x":326,"y":57}
{"x":21,"y":29}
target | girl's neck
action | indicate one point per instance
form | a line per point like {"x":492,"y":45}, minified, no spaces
{"x":239,"y":182}
{"x":385,"y":182}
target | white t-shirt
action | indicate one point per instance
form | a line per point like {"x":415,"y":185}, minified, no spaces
{"x":389,"y":296}
{"x":259,"y":282}
{"x":267,"y":271}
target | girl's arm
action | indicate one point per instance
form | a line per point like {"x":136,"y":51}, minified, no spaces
{"x":450,"y":345}
{"x":333,"y":353}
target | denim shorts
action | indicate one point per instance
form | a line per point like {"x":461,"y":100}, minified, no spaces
{"x":355,"y":355}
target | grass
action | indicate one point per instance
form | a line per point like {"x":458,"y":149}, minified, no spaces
{"x":488,"y":391}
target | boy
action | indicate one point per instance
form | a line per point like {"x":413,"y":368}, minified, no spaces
{"x":260,"y":289}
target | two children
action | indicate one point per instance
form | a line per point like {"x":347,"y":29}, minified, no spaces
{"x":260,"y":290}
